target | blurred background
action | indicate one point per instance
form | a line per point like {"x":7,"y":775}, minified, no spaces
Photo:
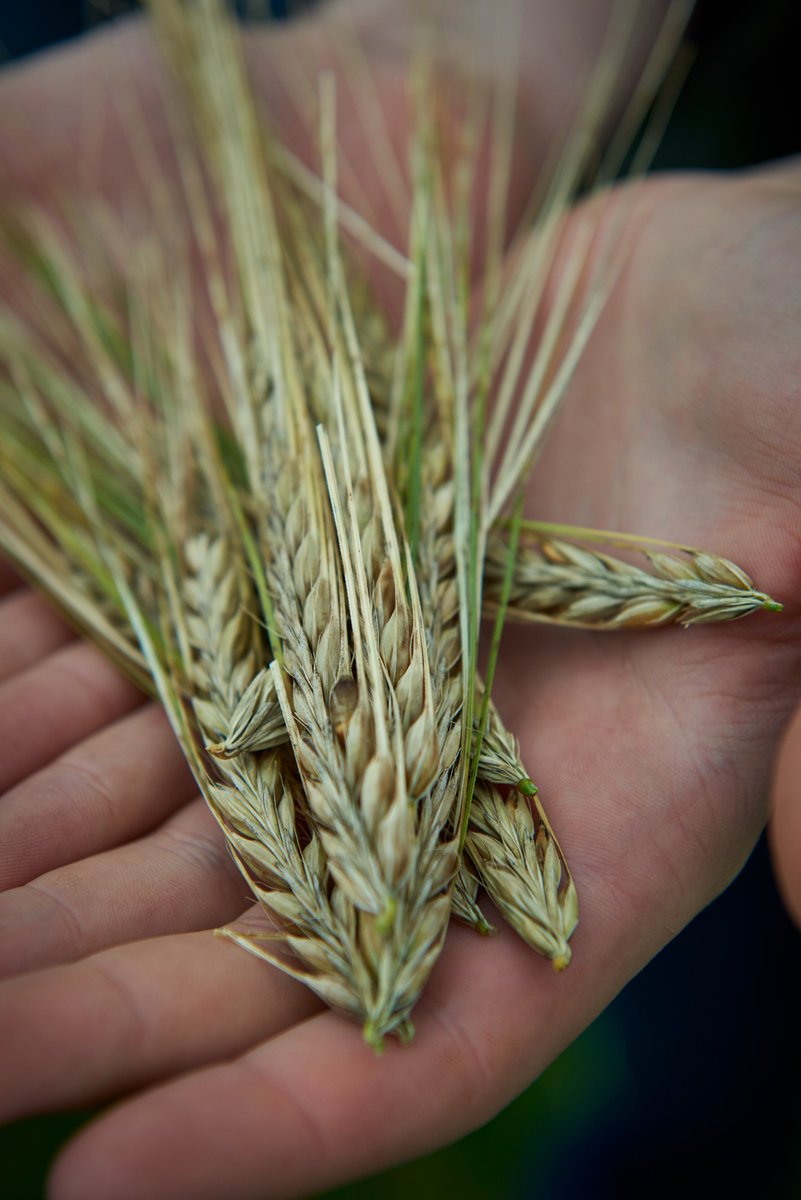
{"x":692,"y":1075}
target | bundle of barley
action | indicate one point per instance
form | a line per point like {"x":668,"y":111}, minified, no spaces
{"x":286,"y":520}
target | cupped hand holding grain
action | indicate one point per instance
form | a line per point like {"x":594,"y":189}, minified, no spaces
{"x":653,"y":752}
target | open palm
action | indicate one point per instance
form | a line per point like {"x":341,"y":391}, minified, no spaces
{"x":652,"y":753}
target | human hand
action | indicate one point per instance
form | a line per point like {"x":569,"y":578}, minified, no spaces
{"x":651,"y":764}
{"x":785,"y":825}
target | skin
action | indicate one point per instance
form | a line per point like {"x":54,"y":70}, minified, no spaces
{"x":653,"y":752}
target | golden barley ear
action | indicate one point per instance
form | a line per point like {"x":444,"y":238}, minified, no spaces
{"x":524,"y":871}
{"x":561,"y":582}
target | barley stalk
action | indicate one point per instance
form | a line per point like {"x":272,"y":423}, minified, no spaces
{"x":351,"y":673}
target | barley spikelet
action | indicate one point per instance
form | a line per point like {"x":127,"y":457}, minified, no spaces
{"x":255,"y":723}
{"x":499,"y":757}
{"x":464,"y":901}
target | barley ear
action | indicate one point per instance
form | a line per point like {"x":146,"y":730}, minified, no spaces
{"x":523,"y":870}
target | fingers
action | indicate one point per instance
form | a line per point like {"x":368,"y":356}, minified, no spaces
{"x":59,"y":701}
{"x":178,"y":879}
{"x":65,"y":97}
{"x":112,"y":787}
{"x":136,"y":1014}
{"x":29,"y":630}
{"x":785,"y":828}
{"x":9,"y":579}
{"x":314,"y":1106}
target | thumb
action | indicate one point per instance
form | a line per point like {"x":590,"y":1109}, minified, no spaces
{"x":785,"y":828}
